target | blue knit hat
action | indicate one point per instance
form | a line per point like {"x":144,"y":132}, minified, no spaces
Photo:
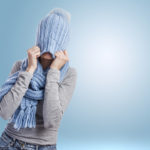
{"x":53,"y":34}
{"x":53,"y":31}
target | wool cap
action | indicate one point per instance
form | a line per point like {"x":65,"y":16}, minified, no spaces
{"x":53,"y":32}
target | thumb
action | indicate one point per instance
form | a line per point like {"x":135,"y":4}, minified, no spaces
{"x":65,"y":52}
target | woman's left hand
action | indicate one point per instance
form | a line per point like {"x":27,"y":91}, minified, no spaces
{"x":60,"y":60}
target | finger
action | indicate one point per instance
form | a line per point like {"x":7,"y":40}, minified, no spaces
{"x":37,"y":54}
{"x":35,"y":47}
{"x":58,"y":53}
{"x":35,"y":51}
{"x":65,"y":52}
{"x":61,"y":53}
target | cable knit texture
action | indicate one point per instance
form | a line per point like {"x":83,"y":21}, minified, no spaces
{"x":52,"y":35}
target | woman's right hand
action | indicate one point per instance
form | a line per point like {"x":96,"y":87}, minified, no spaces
{"x":33,"y":54}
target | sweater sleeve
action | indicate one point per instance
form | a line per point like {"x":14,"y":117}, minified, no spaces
{"x":12,"y":99}
{"x":57,"y":96}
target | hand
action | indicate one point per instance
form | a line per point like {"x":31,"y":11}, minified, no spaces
{"x":60,"y":60}
{"x":33,"y":54}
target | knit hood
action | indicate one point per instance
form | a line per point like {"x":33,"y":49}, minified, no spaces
{"x":53,"y":32}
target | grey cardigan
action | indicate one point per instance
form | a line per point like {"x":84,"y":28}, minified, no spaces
{"x":49,"y":111}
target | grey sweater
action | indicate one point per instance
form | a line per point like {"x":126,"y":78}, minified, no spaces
{"x":49,"y":111}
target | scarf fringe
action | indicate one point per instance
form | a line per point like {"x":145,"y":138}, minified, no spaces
{"x":26,"y":117}
{"x":18,"y":122}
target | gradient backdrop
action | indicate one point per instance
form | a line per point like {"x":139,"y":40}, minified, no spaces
{"x":110,"y":48}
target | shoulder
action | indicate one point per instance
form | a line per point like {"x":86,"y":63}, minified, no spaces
{"x":70,"y":77}
{"x":71,"y":74}
{"x":72,"y":71}
{"x":18,"y":63}
{"x":16,"y":66}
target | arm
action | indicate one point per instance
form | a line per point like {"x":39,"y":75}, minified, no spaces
{"x":57,"y":97}
{"x":12,"y":99}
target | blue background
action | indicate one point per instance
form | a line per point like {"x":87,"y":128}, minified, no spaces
{"x":110,"y":107}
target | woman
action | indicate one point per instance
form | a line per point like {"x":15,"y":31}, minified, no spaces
{"x":49,"y":110}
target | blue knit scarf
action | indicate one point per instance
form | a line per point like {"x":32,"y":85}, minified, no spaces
{"x":52,"y":35}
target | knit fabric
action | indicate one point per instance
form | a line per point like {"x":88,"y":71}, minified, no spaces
{"x":52,"y":35}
